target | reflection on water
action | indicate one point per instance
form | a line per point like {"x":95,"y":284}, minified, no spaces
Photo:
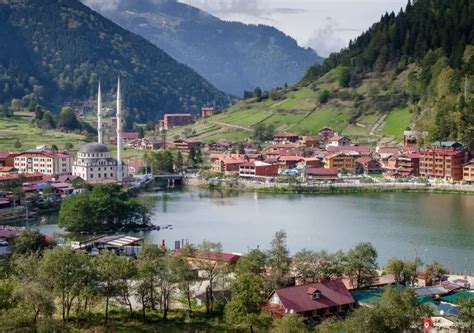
{"x":434,"y":226}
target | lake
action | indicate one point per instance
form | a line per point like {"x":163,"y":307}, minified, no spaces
{"x":432,"y":226}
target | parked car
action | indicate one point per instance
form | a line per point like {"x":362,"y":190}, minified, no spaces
{"x":3,"y":242}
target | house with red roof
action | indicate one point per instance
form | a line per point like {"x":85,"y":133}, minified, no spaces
{"x":353,"y":150}
{"x":468,"y":172}
{"x":227,"y":164}
{"x":44,"y":161}
{"x":126,"y":137}
{"x":258,"y":169}
{"x":7,"y":158}
{"x":320,"y":299}
{"x":444,"y":164}
{"x":409,"y":164}
{"x":322,"y":174}
{"x":285,"y":137}
{"x":367,"y":165}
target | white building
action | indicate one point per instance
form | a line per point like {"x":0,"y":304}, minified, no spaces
{"x":43,"y":161}
{"x":94,"y":162}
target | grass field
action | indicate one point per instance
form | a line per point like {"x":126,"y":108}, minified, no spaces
{"x":19,"y":128}
{"x":396,"y":122}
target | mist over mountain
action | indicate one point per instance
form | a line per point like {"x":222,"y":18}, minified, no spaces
{"x":231,"y":55}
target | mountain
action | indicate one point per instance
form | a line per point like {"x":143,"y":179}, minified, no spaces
{"x":233,"y":56}
{"x":414,"y":69}
{"x":56,"y":51}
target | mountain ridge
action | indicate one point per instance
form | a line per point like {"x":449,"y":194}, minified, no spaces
{"x":56,"y":51}
{"x":233,"y":56}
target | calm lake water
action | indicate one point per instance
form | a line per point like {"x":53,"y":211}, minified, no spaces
{"x":434,"y":226}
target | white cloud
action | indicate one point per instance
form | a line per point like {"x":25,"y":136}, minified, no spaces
{"x":102,"y":5}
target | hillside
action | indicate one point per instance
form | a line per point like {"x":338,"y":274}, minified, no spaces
{"x":55,"y":51}
{"x":373,"y":95}
{"x":231,"y":55}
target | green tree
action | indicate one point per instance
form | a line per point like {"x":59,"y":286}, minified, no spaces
{"x":179,"y":163}
{"x":257,"y":93}
{"x":17,"y":144}
{"x":344,"y":77}
{"x":30,"y":242}
{"x":112,"y":270}
{"x":404,"y":271}
{"x":212,"y":267}
{"x":241,"y":148}
{"x":253,"y":262}
{"x":398,"y":311}
{"x":323,"y":96}
{"x":361,"y":263}
{"x":279,"y":260}
{"x":68,"y":145}
{"x":247,"y":296}
{"x":67,"y":120}
{"x":64,"y":272}
{"x":290,"y":323}
{"x":54,"y":147}
{"x":466,"y":313}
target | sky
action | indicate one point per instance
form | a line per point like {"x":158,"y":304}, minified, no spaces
{"x":324,"y":25}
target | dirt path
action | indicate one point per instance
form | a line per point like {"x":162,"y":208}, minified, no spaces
{"x":378,"y":124}
{"x":232,"y":126}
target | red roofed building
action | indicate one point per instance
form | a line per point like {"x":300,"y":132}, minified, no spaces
{"x":257,"y":169}
{"x":409,"y":164}
{"x":311,"y":300}
{"x":360,"y":150}
{"x":227,"y":164}
{"x":7,"y":159}
{"x":207,"y":112}
{"x":44,"y":161}
{"x":285,"y":137}
{"x":468,"y":171}
{"x":222,"y":258}
{"x":368,"y":165}
{"x":319,"y":174}
{"x":444,"y":164}
{"x":126,"y":137}
{"x":187,"y":144}
{"x":171,"y":120}
{"x":326,"y":133}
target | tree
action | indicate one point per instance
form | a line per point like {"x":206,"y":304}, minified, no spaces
{"x":30,"y":242}
{"x":279,"y":259}
{"x":253,"y":262}
{"x":263,"y":132}
{"x":257,"y":93}
{"x":148,"y":265}
{"x":105,"y":208}
{"x":404,"y":271}
{"x":17,"y":144}
{"x":212,"y":266}
{"x":398,"y":311}
{"x":68,"y":145}
{"x":247,"y":295}
{"x":179,"y":163}
{"x":466,"y":312}
{"x":164,"y":161}
{"x":141,"y":132}
{"x":434,"y":271}
{"x":54,"y":148}
{"x":186,"y":277}
{"x":241,"y":148}
{"x":360,"y":264}
{"x":67,"y":120}
{"x":112,"y":270}
{"x":323,"y":96}
{"x":317,"y":266}
{"x":290,"y":323}
{"x":344,"y":77}
{"x":64,"y":272}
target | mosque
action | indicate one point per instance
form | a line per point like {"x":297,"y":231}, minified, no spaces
{"x":94,"y":162}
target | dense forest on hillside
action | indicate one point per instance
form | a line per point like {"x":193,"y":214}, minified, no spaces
{"x":231,"y":55}
{"x":55,"y":52}
{"x":432,"y":42}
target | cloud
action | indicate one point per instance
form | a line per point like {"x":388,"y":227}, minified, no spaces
{"x":102,"y":5}
{"x":255,"y":8}
{"x":328,"y":39}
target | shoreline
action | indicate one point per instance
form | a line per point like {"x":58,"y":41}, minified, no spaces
{"x":336,"y":188}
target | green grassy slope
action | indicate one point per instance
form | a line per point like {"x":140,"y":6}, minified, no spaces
{"x":20,"y":128}
{"x":351,"y":111}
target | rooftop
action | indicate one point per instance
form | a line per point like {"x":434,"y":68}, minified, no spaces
{"x":94,"y":147}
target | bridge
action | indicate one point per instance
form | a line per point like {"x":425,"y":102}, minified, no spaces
{"x":169,"y":180}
